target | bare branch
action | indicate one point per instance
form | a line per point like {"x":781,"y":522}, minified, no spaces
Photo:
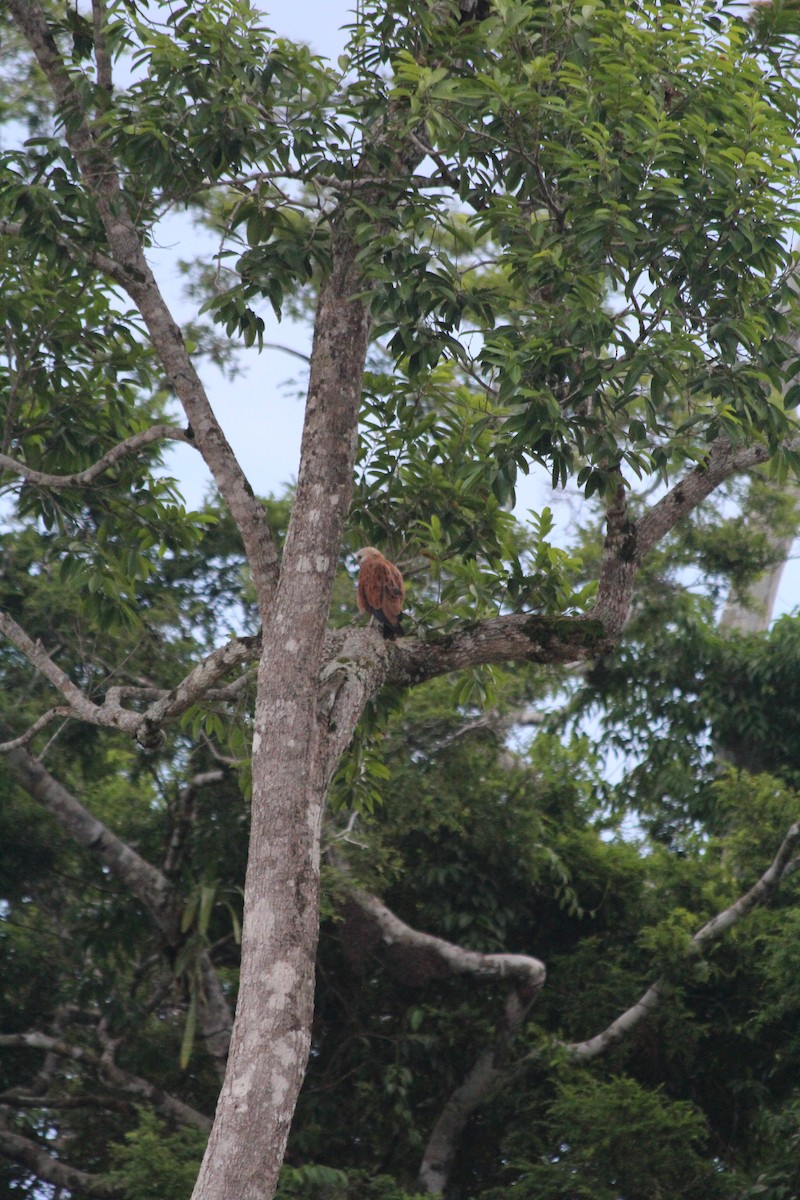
{"x":38,"y":1159}
{"x":80,"y":705}
{"x":83,"y":478}
{"x":517,"y":637}
{"x":421,"y":956}
{"x":288,"y":350}
{"x":487,"y":1073}
{"x":197,"y":683}
{"x":435,"y":956}
{"x":146,"y":726}
{"x":144,"y":882}
{"x":490,"y":1069}
{"x":627,"y":544}
{"x":358,"y":662}
{"x":107,"y":1070}
{"x":16,"y":1099}
{"x":183,"y":820}
{"x":35,"y":728}
{"x":722,"y":462}
{"x":710,"y":932}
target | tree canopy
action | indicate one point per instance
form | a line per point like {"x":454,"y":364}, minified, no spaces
{"x":538,"y":854}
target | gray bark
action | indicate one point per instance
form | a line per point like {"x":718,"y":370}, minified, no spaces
{"x":756,"y":614}
{"x":110,"y":1073}
{"x":491,"y":1069}
{"x":272,"y":1031}
{"x":421,"y":956}
{"x":628,"y":1021}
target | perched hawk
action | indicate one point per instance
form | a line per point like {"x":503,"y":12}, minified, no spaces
{"x":380,"y":590}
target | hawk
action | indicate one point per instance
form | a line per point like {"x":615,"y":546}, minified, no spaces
{"x":380,"y":590}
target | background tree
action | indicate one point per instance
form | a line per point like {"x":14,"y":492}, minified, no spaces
{"x":532,"y":237}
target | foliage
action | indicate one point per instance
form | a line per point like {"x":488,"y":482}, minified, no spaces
{"x":156,"y":1164}
{"x":617,"y":1139}
{"x":572,"y":228}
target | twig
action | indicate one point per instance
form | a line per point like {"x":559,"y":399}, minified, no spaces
{"x":38,"y":725}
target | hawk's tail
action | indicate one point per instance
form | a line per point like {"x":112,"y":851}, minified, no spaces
{"x":391,"y":630}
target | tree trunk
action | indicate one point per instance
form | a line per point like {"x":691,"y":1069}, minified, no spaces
{"x":755,"y":616}
{"x":272,"y":1031}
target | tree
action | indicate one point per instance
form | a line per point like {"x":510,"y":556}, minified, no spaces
{"x":532,"y":236}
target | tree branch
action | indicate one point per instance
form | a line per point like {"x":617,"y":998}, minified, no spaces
{"x":358,"y":662}
{"x":627,"y":544}
{"x":722,"y":462}
{"x":141,"y":879}
{"x":147,"y":884}
{"x":710,"y":932}
{"x":107,"y":1070}
{"x":39,"y":1161}
{"x":196,"y":684}
{"x":17,"y":1099}
{"x":490,"y":1069}
{"x":184,"y":819}
{"x":423,"y":955}
{"x":39,"y":724}
{"x":144,"y":726}
{"x":483,"y":1079}
{"x":83,"y":478}
{"x":80,"y":705}
{"x":102,"y":181}
{"x":78,"y":251}
{"x":517,"y":637}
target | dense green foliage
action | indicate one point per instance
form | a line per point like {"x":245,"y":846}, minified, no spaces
{"x":585,"y":272}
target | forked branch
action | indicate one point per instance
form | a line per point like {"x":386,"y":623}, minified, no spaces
{"x":491,"y":1071}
